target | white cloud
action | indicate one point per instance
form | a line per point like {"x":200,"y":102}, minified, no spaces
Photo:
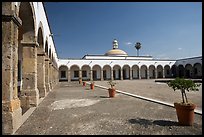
{"x":128,"y":43}
{"x":179,"y":48}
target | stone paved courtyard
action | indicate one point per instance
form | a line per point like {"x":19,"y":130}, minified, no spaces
{"x":71,"y":109}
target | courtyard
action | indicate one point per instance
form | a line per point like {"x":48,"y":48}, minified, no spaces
{"x":71,"y":109}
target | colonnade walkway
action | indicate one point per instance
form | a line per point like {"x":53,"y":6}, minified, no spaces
{"x":71,"y":109}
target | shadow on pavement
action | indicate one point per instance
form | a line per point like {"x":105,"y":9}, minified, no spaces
{"x":147,"y":122}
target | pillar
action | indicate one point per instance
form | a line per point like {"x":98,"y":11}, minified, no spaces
{"x":130,"y":73}
{"x":121,"y":74}
{"x":30,"y":93}
{"x":47,"y":84}
{"x":155,"y":73}
{"x":163,"y":71}
{"x":111,"y":74}
{"x":147,"y":73}
{"x":41,"y":74}
{"x":11,"y":110}
{"x":102,"y":75}
{"x":69,"y":75}
{"x":91,"y":75}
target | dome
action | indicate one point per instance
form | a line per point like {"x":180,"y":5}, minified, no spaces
{"x":116,"y":52}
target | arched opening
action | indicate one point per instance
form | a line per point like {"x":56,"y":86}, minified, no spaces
{"x":63,"y":73}
{"x":74,"y":70}
{"x":159,"y":71}
{"x":86,"y":72}
{"x":188,"y":71}
{"x":47,"y":84}
{"x":116,"y":72}
{"x":174,"y":71}
{"x":197,"y":67}
{"x":181,"y":71}
{"x":143,"y":70}
{"x":96,"y":70}
{"x":41,"y":65}
{"x":126,"y":72}
{"x":27,"y":56}
{"x":152,"y":72}
{"x":167,"y":73}
{"x":106,"y":72}
{"x":135,"y":72}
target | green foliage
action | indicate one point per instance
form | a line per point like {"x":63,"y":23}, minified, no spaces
{"x":111,"y":83}
{"x":183,"y":85}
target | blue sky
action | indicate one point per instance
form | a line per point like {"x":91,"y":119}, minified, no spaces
{"x":166,"y":30}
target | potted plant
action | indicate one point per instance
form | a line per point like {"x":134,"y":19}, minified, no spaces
{"x":184,"y":109}
{"x":92,"y":85}
{"x":84,"y":83}
{"x":111,"y":90}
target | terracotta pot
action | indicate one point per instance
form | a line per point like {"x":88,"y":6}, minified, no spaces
{"x":185,"y":113}
{"x":111,"y":92}
{"x":92,"y":86}
{"x":80,"y":81}
{"x":84,"y":83}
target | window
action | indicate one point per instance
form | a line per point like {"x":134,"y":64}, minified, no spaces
{"x":84,"y":74}
{"x":76,"y":74}
{"x":63,"y":74}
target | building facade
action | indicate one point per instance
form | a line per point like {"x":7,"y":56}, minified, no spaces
{"x":29,"y":61}
{"x":117,"y":65}
{"x":31,"y":68}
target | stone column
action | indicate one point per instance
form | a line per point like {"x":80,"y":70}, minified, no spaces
{"x":102,"y":75}
{"x":139,"y":73}
{"x":30,"y":93}
{"x":111,"y":74}
{"x":50,"y":75}
{"x":11,"y":110}
{"x":80,"y":74}
{"x":163,"y":73}
{"x":47,"y":84}
{"x":69,"y":75}
{"x":130,"y":73}
{"x":155,"y":73}
{"x":121,"y":74}
{"x":147,"y":73}
{"x":41,"y":74}
{"x":91,"y":75}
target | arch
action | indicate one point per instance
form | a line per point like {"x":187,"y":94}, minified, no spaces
{"x":180,"y":70}
{"x":126,"y":72}
{"x":96,"y":70}
{"x":74,"y":72}
{"x":167,"y":73}
{"x":152,"y":72}
{"x":116,"y":72}
{"x":197,"y":68}
{"x":26,"y":37}
{"x":159,"y":71}
{"x":107,"y":72}
{"x":27,"y":15}
{"x":188,"y":71}
{"x":63,"y":73}
{"x":135,"y":72}
{"x":173,"y":71}
{"x":40,"y":33}
{"x":86,"y":72}
{"x":41,"y":64}
{"x":143,"y":70}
